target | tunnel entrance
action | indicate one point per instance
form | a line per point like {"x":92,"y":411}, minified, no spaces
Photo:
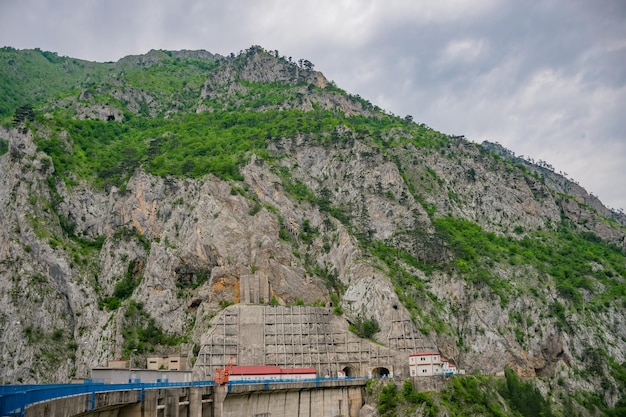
{"x":380,"y":372}
{"x":349,"y":371}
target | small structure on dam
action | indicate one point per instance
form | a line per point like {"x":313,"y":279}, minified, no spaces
{"x":302,"y":337}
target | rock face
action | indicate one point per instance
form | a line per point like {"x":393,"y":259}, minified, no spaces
{"x":87,"y":272}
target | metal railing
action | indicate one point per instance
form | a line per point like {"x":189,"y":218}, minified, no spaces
{"x":15,"y":398}
{"x":267,"y":382}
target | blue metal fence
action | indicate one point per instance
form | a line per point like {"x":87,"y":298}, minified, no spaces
{"x":15,"y":398}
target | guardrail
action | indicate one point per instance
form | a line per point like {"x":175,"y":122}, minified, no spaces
{"x":265,"y":383}
{"x":15,"y":398}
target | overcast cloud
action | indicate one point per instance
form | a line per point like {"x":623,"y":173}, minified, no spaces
{"x":546,"y":79}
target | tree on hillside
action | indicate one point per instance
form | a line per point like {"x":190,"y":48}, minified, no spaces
{"x":306,"y":64}
{"x":23,"y":113}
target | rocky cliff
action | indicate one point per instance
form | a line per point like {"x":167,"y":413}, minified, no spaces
{"x":332,"y":204}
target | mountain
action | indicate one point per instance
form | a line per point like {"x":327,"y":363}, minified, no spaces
{"x":142,"y":198}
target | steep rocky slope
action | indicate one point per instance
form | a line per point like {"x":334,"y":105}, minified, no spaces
{"x":332,"y":202}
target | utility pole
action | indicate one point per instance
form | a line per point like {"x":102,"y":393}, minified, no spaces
{"x":130,"y":366}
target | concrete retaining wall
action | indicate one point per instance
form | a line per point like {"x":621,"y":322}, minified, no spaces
{"x":330,"y":402}
{"x":77,"y":404}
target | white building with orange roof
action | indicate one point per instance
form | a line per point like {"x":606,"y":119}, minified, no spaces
{"x":430,"y":363}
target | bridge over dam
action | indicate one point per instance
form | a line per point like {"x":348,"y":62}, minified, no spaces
{"x":314,"y":398}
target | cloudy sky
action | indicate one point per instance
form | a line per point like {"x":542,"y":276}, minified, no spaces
{"x":546,"y":79}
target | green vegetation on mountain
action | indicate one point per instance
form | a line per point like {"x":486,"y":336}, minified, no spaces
{"x":193,"y":145}
{"x":35,"y":76}
{"x":141,"y":333}
{"x":571,"y":257}
{"x":463,"y":396}
{"x":4,"y":146}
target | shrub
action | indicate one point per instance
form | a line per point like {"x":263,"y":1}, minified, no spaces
{"x":4,"y":146}
{"x":388,"y":398}
{"x":525,"y":397}
{"x":365,"y":328}
{"x":123,"y":289}
{"x":411,"y":396}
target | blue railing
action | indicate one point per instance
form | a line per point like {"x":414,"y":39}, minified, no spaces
{"x":267,"y":382}
{"x":15,"y":398}
{"x":289,"y":380}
